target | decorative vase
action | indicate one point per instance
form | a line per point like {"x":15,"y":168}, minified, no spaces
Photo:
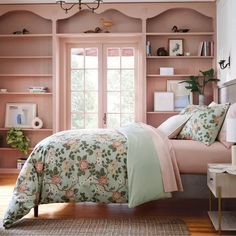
{"x":201,"y":99}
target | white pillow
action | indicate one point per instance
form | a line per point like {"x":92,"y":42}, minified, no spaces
{"x":173,"y":125}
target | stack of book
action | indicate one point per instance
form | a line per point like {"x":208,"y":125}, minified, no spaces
{"x":38,"y":89}
{"x":206,"y":48}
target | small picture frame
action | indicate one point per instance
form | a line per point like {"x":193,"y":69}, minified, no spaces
{"x":176,"y":47}
{"x":20,"y":115}
{"x":163,"y":101}
{"x":182,"y":96}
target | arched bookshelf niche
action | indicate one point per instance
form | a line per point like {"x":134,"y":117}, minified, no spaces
{"x":86,"y":20}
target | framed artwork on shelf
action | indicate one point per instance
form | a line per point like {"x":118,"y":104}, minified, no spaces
{"x":20,"y":115}
{"x":163,"y":101}
{"x":176,"y":47}
{"x":182,"y":96}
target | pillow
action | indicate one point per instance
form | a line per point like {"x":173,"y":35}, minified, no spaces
{"x":204,"y":124}
{"x":214,"y":104}
{"x":190,"y":109}
{"x":222,"y":134}
{"x":172,"y":126}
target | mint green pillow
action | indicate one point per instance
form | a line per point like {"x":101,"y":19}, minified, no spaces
{"x":204,"y":124}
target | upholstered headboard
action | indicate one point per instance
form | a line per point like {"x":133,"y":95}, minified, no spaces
{"x":227,"y":92}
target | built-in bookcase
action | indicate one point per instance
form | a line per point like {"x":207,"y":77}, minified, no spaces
{"x":159,"y":31}
{"x":26,"y":61}
{"x":37,"y":58}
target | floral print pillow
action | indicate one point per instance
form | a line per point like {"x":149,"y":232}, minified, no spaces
{"x":191,"y":108}
{"x":204,"y":124}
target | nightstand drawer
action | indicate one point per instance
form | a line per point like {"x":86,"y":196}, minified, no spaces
{"x":226,"y":181}
{"x":211,"y":181}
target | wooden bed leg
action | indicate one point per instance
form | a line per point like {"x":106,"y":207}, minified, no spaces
{"x":36,"y":211}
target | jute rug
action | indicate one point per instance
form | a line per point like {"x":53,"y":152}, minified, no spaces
{"x":98,"y":227}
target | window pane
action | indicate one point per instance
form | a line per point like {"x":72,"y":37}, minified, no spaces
{"x":113,"y":80}
{"x":91,"y":58}
{"x":91,"y":102}
{"x":127,"y":59}
{"x":113,"y":102}
{"x":77,"y":58}
{"x":113,"y":120}
{"x":113,"y":58}
{"x":127,"y":79}
{"x":77,"y":80}
{"x":77,"y":121}
{"x":77,"y":102}
{"x":126,"y":119}
{"x":127,"y":102}
{"x":91,"y":121}
{"x":91,"y":80}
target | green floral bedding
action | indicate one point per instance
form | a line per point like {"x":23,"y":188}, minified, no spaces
{"x":78,"y":166}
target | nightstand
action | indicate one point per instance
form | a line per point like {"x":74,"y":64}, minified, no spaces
{"x":222,"y":185}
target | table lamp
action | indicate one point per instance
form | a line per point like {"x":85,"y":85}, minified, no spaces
{"x":231,"y":137}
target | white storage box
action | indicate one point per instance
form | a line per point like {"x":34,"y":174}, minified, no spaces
{"x":166,"y":71}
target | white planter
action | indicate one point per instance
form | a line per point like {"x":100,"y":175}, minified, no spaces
{"x":201,"y":99}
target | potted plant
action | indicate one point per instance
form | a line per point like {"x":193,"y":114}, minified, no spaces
{"x":198,"y":83}
{"x":17,"y":139}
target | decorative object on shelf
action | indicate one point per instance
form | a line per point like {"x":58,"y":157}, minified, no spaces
{"x":148,"y":48}
{"x":38,"y":89}
{"x":176,"y":30}
{"x":166,"y":71}
{"x":17,"y":139}
{"x":163,"y":101}
{"x":162,"y":52}
{"x":223,"y":65}
{"x":24,"y":31}
{"x":20,"y":162}
{"x":3,"y":90}
{"x":66,"y":7}
{"x":182,"y":96}
{"x":37,"y":123}
{"x":20,"y":115}
{"x":176,"y":47}
{"x":106,"y":24}
{"x":231,"y":137}
{"x":96,"y":30}
{"x":198,"y":83}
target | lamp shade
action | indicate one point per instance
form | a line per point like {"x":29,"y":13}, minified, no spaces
{"x":231,"y":130}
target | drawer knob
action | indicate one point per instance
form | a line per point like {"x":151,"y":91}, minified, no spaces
{"x":211,"y":179}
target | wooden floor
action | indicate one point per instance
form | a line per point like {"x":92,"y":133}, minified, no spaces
{"x":193,"y":212}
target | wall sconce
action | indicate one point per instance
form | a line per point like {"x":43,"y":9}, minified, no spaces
{"x":223,"y":65}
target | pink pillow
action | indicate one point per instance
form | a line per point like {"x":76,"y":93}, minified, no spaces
{"x":222,"y":134}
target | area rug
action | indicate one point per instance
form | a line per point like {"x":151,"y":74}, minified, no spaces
{"x":98,"y":227}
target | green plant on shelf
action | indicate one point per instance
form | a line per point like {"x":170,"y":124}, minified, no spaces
{"x":198,"y":83}
{"x":17,"y":139}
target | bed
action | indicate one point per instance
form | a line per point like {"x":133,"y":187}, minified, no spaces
{"x":131,"y":165}
{"x":193,"y":171}
{"x":108,"y":166}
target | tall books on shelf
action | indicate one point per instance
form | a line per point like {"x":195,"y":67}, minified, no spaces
{"x":206,"y":48}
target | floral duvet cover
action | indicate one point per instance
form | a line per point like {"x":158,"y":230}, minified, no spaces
{"x":79,"y":166}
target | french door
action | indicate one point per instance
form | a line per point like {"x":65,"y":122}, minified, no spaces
{"x":102,"y":86}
